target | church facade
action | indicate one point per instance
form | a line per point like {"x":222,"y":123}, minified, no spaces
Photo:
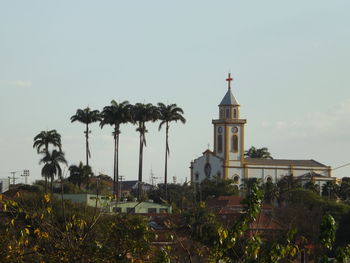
{"x":227,"y":159}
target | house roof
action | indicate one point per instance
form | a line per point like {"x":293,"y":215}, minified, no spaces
{"x":229,"y":99}
{"x":228,"y":204}
{"x":312,"y":174}
{"x":283,"y":162}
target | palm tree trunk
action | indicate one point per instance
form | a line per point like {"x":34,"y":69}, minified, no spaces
{"x":45,"y":184}
{"x":115,"y":163}
{"x":166,"y":162}
{"x":140,"y":166}
{"x":51,"y":184}
{"x":117,"y":166}
{"x":87,"y":143}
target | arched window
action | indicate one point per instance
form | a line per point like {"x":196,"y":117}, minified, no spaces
{"x":234,"y":113}
{"x":207,"y":169}
{"x":196,"y":175}
{"x":227,"y":113}
{"x":269,"y":179}
{"x":220,"y":143}
{"x":235,"y":179}
{"x":234,"y":143}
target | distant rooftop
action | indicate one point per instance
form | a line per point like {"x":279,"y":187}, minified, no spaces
{"x":283,"y":162}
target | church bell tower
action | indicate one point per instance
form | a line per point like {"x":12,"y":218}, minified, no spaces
{"x":229,"y":132}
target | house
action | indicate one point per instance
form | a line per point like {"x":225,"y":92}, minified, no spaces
{"x":127,"y":187}
{"x":146,"y":207}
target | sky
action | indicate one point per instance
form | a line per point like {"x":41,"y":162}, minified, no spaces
{"x":290,"y":61}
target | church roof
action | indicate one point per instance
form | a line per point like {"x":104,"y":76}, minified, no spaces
{"x":229,"y":99}
{"x":283,"y":162}
{"x":312,"y":174}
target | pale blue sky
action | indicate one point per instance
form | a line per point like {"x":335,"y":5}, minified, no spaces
{"x":290,"y":61}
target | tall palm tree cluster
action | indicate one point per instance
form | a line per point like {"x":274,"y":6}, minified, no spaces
{"x":114,"y":115}
{"x":50,"y":159}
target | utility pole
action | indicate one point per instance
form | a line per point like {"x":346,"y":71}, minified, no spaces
{"x":14,"y":178}
{"x":121,"y":177}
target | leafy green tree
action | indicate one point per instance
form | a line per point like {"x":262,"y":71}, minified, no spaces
{"x":285,"y":186}
{"x":168,"y":114}
{"x":86,"y":116}
{"x":202,"y":224}
{"x":115,"y":115}
{"x":80,"y":174}
{"x":312,"y":186}
{"x":51,"y":168}
{"x":142,"y":113}
{"x":345,"y":189}
{"x":271,"y":192}
{"x":261,"y":153}
{"x":125,"y":235}
{"x":211,"y":188}
{"x":179,"y":196}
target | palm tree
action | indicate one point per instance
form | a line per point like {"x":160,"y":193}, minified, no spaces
{"x":45,"y":138}
{"x":331,"y":190}
{"x":262,"y":153}
{"x":52,"y":166}
{"x":114,"y":115}
{"x":79,"y":174}
{"x":167,"y":114}
{"x":87,"y":117}
{"x":142,"y":113}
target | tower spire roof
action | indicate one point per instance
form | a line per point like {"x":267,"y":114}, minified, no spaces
{"x":229,"y":99}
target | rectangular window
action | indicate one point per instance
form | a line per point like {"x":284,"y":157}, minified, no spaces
{"x":117,"y":209}
{"x":152,"y":210}
{"x":227,"y":113}
{"x":220,"y":143}
{"x":163,"y":210}
{"x":130,"y":210}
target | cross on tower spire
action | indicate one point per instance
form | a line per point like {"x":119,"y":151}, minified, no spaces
{"x":229,"y":79}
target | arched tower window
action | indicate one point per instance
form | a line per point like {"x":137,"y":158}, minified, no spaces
{"x":227,"y":113}
{"x":235,"y":179}
{"x":220,"y":143}
{"x":234,"y":113}
{"x":234,"y":143}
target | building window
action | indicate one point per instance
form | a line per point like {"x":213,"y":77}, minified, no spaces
{"x":234,"y":113}
{"x":221,"y":114}
{"x":196,"y":176}
{"x":130,"y":210}
{"x":117,"y":209}
{"x":234,"y":143}
{"x":163,"y":210}
{"x":235,"y":179}
{"x":220,"y":143}
{"x":269,"y":179}
{"x":207,"y":169}
{"x":227,"y":113}
{"x":152,"y":210}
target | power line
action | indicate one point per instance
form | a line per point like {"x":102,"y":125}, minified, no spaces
{"x":341,"y":166}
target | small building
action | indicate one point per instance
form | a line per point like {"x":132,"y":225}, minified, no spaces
{"x":100,"y":201}
{"x":4,"y":185}
{"x":147,"y":207}
{"x":127,"y":187}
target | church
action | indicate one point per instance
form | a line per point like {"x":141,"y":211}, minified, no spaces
{"x":227,"y":160}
